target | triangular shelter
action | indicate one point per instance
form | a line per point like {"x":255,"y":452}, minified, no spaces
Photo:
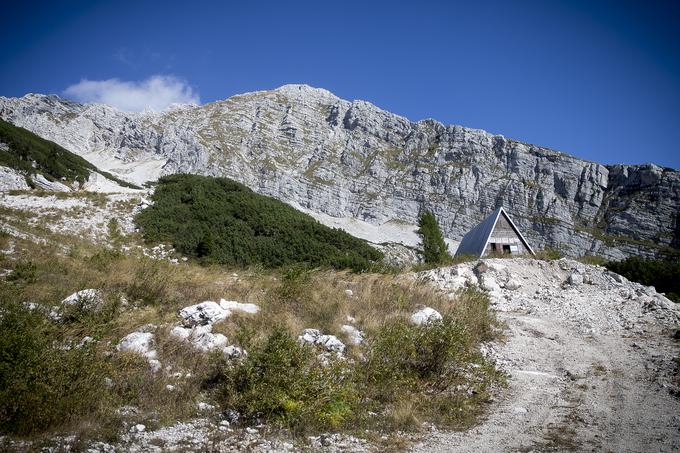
{"x":496,"y":234}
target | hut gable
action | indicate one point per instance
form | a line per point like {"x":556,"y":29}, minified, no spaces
{"x":495,"y":234}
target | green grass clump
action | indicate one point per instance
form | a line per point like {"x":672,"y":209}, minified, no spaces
{"x":221,"y":221}
{"x":664,"y":275}
{"x":284,"y":383}
{"x":29,"y":154}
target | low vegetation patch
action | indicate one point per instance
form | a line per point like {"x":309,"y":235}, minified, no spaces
{"x":221,"y":221}
{"x":29,"y":154}
{"x":664,"y":275}
{"x":64,"y":374}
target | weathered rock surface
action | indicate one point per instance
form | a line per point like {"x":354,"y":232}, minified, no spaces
{"x":425,"y":315}
{"x":141,"y":343}
{"x":11,"y":179}
{"x":347,"y":159}
{"x":328,"y":342}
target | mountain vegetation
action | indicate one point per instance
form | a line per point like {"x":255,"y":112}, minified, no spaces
{"x":60,"y":370}
{"x":29,"y":154}
{"x":664,"y":275}
{"x":435,"y":250}
{"x":221,"y":221}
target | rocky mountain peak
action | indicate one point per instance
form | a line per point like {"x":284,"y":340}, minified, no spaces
{"x":354,"y":161}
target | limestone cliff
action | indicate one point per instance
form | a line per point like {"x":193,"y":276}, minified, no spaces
{"x":353,"y":160}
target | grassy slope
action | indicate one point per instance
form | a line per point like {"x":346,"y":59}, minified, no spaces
{"x":406,"y":375}
{"x":222,"y":221}
{"x":51,"y":160}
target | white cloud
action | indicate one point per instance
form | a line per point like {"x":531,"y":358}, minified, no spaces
{"x":156,"y":93}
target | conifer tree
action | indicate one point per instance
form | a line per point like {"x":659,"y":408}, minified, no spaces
{"x":435,"y":250}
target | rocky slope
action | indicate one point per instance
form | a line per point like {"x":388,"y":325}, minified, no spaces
{"x":590,"y":358}
{"x":352,"y":160}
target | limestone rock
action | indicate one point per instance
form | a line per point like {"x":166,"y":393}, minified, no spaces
{"x":354,"y":335}
{"x":575,"y":279}
{"x":341,"y":159}
{"x":231,"y":305}
{"x":88,"y":298}
{"x":329,"y":342}
{"x":202,"y":314}
{"x":425,"y":315}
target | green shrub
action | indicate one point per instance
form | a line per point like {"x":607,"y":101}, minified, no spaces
{"x":284,"y":382}
{"x":664,"y":275}
{"x":407,"y":373}
{"x":43,"y":385}
{"x":222,"y":221}
{"x":23,"y":272}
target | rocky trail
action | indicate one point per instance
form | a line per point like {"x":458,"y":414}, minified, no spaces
{"x":590,"y":359}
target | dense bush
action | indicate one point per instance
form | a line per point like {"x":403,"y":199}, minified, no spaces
{"x":29,"y":154}
{"x":222,"y":221}
{"x":41,"y":384}
{"x":664,"y":275}
{"x":284,"y":382}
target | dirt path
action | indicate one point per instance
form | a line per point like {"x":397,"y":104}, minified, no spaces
{"x":590,"y":364}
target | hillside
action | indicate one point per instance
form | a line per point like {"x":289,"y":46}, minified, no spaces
{"x":222,"y":221}
{"x":44,"y":163}
{"x":112,"y":344}
{"x":593,"y":360}
{"x":351,"y":163}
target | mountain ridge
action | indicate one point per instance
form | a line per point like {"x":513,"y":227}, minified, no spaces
{"x":351,"y":159}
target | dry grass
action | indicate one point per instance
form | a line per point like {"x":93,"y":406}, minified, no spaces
{"x":141,"y":291}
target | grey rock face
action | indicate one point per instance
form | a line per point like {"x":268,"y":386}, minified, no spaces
{"x":351,"y":159}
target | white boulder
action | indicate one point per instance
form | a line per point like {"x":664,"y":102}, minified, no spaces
{"x":54,"y":186}
{"x":354,"y":335}
{"x":138,"y":342}
{"x":183,"y":333}
{"x":425,"y":315}
{"x":329,"y":342}
{"x":204,"y":340}
{"x":88,"y":298}
{"x":575,"y":279}
{"x":489,"y":283}
{"x":513,"y":284}
{"x":141,"y":343}
{"x":202,"y":314}
{"x":231,"y":305}
{"x":11,"y":179}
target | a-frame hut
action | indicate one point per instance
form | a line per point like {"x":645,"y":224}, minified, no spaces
{"x":497,"y":234}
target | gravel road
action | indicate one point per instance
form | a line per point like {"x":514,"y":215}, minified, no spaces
{"x":590,"y":358}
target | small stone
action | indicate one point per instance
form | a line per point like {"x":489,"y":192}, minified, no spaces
{"x":155,"y":365}
{"x":349,"y":292}
{"x":140,"y":428}
{"x":354,"y":335}
{"x":513,"y":284}
{"x":425,"y":315}
{"x":575,"y":279}
{"x":205,"y":407}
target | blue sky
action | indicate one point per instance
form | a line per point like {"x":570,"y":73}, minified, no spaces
{"x":596,"y":79}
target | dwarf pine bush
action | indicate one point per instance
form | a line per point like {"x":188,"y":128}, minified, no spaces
{"x":221,"y":221}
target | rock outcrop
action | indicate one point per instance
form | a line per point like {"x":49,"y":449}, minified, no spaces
{"x":347,"y":159}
